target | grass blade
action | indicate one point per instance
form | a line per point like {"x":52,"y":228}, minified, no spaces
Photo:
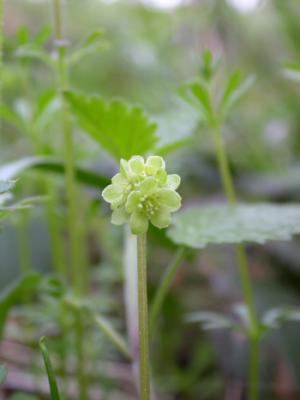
{"x":51,"y":376}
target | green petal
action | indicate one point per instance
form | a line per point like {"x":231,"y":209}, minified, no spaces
{"x":137,"y":164}
{"x":161,"y":176}
{"x":119,"y":216}
{"x":161,"y":219}
{"x":169,"y":198}
{"x":133,"y":201}
{"x":148,"y":186}
{"x":112,"y":193}
{"x":138,"y":223}
{"x":120,"y":179}
{"x":153,"y":164}
{"x":173,"y":181}
{"x":124,"y":168}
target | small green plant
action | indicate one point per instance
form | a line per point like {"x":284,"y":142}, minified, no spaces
{"x":139,"y":193}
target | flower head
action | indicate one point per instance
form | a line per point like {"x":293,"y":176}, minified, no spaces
{"x":142,"y":192}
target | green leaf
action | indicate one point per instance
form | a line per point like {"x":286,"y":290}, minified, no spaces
{"x":258,"y":223}
{"x":92,"y":44}
{"x":14,"y":293}
{"x":197,"y":94}
{"x":50,"y":372}
{"x":234,"y":90}
{"x":3,"y":373}
{"x":47,"y":105}
{"x":33,"y":52}
{"x":6,"y":186}
{"x":51,"y":165}
{"x":121,"y":130}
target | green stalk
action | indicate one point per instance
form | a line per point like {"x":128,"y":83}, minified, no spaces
{"x":143,"y":319}
{"x":254,"y":334}
{"x":164,"y":285}
{"x":254,"y":369}
{"x":73,"y":225}
{"x":77,"y":275}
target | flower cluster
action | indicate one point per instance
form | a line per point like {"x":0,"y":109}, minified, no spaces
{"x":142,"y":192}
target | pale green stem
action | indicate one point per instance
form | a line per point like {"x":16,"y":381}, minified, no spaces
{"x":254,"y":369}
{"x":77,"y":275}
{"x":164,"y":286}
{"x":254,"y":334}
{"x":143,"y":319}
{"x":73,"y":212}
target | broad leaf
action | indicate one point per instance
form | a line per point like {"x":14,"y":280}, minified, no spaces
{"x":15,"y":293}
{"x":201,"y":226}
{"x":121,"y":130}
{"x":50,"y":372}
{"x":51,"y":165}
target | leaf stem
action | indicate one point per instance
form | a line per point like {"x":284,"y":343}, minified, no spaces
{"x":143,"y":319}
{"x":165,"y":284}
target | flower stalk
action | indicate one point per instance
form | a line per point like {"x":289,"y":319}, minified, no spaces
{"x":143,"y":319}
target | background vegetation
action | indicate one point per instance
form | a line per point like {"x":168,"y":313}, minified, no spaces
{"x":146,"y":55}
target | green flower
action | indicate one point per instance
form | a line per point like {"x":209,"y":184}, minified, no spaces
{"x":142,"y":192}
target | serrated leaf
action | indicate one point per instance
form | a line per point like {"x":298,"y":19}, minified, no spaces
{"x":234,"y":90}
{"x":121,"y":130}
{"x":5,"y":186}
{"x":50,"y":372}
{"x":258,"y":223}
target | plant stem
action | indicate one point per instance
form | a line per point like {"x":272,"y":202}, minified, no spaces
{"x":143,"y":319}
{"x":77,"y":275}
{"x":73,"y":214}
{"x":229,"y":190}
{"x":253,"y":333}
{"x":164,"y":285}
{"x":254,"y":369}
